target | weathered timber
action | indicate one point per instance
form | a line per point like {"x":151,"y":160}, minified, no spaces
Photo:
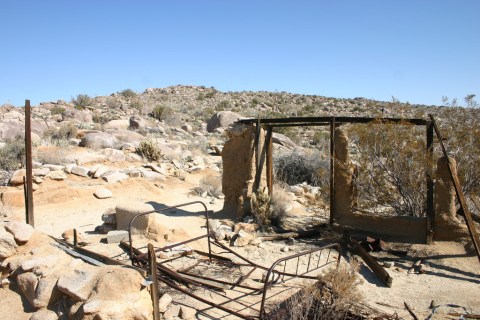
{"x":430,"y":214}
{"x":414,"y":316}
{"x":325,"y":120}
{"x":371,"y":262}
{"x":332,"y":171}
{"x":287,"y":235}
{"x":152,"y":272}
{"x":28,"y":162}
{"x":459,"y":192}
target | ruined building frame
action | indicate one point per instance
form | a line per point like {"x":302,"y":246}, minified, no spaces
{"x":248,"y":165}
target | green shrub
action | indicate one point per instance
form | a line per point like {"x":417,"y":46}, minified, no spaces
{"x":128,"y":93}
{"x":136,"y":104}
{"x":12,"y":155}
{"x":161,"y":112}
{"x":82,"y":101}
{"x":149,"y":150}
{"x":294,"y":168}
{"x":57,"y":110}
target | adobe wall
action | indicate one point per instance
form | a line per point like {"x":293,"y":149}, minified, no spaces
{"x":446,"y":224}
{"x":239,"y":162}
{"x":401,"y":228}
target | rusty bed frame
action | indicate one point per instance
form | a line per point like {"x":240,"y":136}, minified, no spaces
{"x":173,"y":278}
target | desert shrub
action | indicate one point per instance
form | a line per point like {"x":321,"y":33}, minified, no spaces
{"x":136,"y":104}
{"x":113,"y":103}
{"x":12,"y":155}
{"x":294,"y":168}
{"x":65,"y":132}
{"x":279,"y":203}
{"x":334,"y":296}
{"x":391,"y":168}
{"x":57,"y":110}
{"x":82,"y":101}
{"x":223,"y":105}
{"x":128,"y":93}
{"x":160,"y":112}
{"x":52,"y":155}
{"x":149,"y":150}
{"x":210,"y":184}
{"x":261,"y":207}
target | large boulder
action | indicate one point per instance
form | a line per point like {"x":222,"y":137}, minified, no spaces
{"x":126,"y":135}
{"x":117,"y":124}
{"x":99,"y":140}
{"x":283,"y":140}
{"x":21,"y":231}
{"x":8,"y":246}
{"x":79,"y":116}
{"x":222,"y":119}
{"x":137,"y":123}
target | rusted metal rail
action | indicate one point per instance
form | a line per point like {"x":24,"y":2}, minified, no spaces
{"x":296,"y":266}
{"x":459,"y":193}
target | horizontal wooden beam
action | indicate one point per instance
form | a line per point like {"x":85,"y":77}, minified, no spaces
{"x":322,"y":120}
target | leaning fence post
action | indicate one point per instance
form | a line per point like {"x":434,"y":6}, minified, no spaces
{"x":152,"y":272}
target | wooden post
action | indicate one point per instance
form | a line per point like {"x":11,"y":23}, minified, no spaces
{"x":429,"y":175}
{"x":28,"y":152}
{"x":332,"y":170}
{"x":268,"y":143}
{"x":152,"y":272}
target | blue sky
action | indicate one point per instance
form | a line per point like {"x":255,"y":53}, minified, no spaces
{"x":417,"y":51}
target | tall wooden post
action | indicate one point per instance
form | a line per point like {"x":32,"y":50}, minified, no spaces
{"x":429,"y":175}
{"x":28,"y":151}
{"x":332,"y":171}
{"x":268,"y":145}
{"x":152,"y":272}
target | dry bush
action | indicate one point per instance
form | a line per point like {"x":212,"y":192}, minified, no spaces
{"x":391,"y":168}
{"x":52,"y":155}
{"x":149,"y":150}
{"x":335,"y":296}
{"x":261,"y":207}
{"x":210,"y":184}
{"x":461,"y":129}
{"x":294,"y":168}
{"x":279,"y":203}
{"x":12,"y":155}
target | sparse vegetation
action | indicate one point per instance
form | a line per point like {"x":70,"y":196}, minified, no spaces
{"x":261,"y":207}
{"x":149,"y":150}
{"x":82,"y":101}
{"x":128,"y":93}
{"x":12,"y":155}
{"x":211,"y":185}
{"x":335,"y":296}
{"x":294,"y":168}
{"x":161,"y":112}
{"x":57,"y":110}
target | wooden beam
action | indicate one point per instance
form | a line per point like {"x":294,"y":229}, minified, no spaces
{"x":332,"y":170}
{"x":28,"y":160}
{"x":152,"y":272}
{"x":322,"y":120}
{"x":429,"y":176}
{"x":459,"y":192}
{"x":269,"y":146}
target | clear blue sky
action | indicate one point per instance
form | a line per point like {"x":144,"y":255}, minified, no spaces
{"x":417,"y":51}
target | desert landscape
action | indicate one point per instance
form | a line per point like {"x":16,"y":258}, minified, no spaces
{"x":100,"y":161}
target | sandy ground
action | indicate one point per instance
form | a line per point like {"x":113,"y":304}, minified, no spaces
{"x":452,"y":271}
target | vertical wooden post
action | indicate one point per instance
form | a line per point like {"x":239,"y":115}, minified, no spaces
{"x":152,"y":272}
{"x":332,"y":170}
{"x":429,"y":176}
{"x":28,"y":151}
{"x":268,"y":143}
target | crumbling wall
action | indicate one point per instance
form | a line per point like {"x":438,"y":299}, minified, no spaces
{"x":343,"y":177}
{"x":239,"y":168}
{"x":446,"y":225}
{"x":400,"y":228}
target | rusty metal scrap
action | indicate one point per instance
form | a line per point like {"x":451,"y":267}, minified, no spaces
{"x":300,"y":266}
